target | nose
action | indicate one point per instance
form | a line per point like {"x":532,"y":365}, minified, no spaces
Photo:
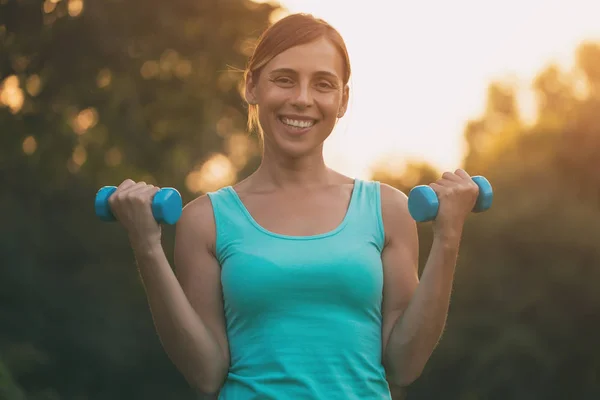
{"x":302,"y":97}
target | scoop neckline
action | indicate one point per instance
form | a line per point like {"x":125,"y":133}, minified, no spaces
{"x":332,"y":232}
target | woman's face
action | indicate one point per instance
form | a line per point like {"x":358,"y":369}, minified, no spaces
{"x":300,"y":94}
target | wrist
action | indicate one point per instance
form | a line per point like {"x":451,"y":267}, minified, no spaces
{"x":448,"y":234}
{"x":445,"y":250}
{"x":447,"y":239}
{"x":145,"y":246}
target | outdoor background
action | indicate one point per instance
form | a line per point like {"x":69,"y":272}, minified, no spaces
{"x":93,"y":92}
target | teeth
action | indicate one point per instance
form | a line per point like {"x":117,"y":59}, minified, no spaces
{"x":297,"y":123}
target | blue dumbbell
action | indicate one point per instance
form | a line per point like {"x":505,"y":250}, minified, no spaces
{"x":166,"y":205}
{"x":423,"y":203}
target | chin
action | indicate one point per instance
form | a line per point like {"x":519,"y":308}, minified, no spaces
{"x":297,"y":149}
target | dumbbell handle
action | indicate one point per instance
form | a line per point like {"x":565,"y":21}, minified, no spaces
{"x":166,"y":205}
{"x":423,"y":203}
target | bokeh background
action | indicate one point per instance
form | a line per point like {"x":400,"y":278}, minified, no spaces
{"x":93,"y":92}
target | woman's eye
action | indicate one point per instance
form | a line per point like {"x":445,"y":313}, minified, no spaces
{"x":325,"y":85}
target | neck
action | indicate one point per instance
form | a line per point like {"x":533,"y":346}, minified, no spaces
{"x":283,"y":171}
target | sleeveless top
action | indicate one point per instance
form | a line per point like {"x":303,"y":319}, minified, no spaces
{"x":303,"y":313}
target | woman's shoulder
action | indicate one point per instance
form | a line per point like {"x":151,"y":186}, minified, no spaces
{"x":394,"y":208}
{"x":391,"y":195}
{"x":197,"y":220}
{"x":198,"y":207}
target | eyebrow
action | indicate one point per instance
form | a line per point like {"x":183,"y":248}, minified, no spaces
{"x":291,"y":71}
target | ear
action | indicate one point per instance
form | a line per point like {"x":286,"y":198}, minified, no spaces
{"x":344,"y":104}
{"x":250,"y":89}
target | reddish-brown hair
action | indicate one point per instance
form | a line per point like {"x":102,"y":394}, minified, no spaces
{"x":293,"y":30}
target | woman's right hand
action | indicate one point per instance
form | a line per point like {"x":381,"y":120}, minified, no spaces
{"x":131,"y":204}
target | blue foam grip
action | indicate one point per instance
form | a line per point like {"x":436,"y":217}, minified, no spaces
{"x":423,"y":204}
{"x":166,"y":205}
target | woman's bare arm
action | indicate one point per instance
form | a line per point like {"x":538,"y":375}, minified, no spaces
{"x":415,"y":310}
{"x":187,"y":308}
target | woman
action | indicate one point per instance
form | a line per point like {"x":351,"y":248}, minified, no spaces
{"x":298,"y":282}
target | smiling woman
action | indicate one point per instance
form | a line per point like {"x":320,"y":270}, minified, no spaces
{"x":298,"y":282}
{"x":319,"y":90}
{"x":297,"y":31}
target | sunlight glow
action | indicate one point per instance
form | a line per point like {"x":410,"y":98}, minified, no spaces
{"x":216,"y":172}
{"x":29,"y":145}
{"x":49,"y":6}
{"x":11,"y":94}
{"x":419,"y":75}
{"x":277,"y":14}
{"x":75,"y":7}
{"x":79,"y":155}
{"x":150,"y":69}
{"x":33,"y":85}
{"x":85,"y":120}
{"x":183,"y":69}
{"x":104,"y":78}
{"x":78,"y":158}
{"x":239,"y":147}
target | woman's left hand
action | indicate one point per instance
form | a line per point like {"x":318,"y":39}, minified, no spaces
{"x":457,"y":194}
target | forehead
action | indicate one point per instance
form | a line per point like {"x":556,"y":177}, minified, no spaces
{"x":310,"y":58}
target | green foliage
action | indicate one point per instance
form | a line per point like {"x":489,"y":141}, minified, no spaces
{"x":525,"y":303}
{"x":8,"y":388}
{"x":140,"y":89}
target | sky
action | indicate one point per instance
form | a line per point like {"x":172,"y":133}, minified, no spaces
{"x":421,"y":69}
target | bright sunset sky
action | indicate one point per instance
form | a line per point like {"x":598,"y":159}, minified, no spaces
{"x":418,"y":75}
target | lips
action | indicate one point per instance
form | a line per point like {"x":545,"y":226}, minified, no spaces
{"x":299,"y":123}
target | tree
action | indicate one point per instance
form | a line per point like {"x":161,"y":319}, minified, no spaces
{"x":92,"y":93}
{"x":524,"y":300}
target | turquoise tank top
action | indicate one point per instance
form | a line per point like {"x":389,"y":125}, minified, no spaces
{"x":303,"y":313}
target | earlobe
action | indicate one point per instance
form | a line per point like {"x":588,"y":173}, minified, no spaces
{"x":344,"y":106}
{"x":250,"y":88}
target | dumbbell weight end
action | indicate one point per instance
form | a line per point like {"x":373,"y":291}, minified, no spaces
{"x":486,"y":194}
{"x":101,"y":205}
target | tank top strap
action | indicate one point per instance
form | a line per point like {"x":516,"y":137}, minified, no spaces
{"x":366,"y":215}
{"x":231,"y":223}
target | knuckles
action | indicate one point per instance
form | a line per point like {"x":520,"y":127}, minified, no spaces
{"x":474,"y":187}
{"x":138,"y":195}
{"x":139,"y":199}
{"x":446,"y":187}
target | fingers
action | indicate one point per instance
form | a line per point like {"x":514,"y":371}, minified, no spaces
{"x":149,"y":192}
{"x":454,"y":180}
{"x":135,"y":193}
{"x":462,"y":173}
{"x":140,"y":193}
{"x":437,"y":188}
{"x":451,"y":177}
{"x":135,"y":189}
{"x":125,"y":184}
{"x":457,"y":176}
